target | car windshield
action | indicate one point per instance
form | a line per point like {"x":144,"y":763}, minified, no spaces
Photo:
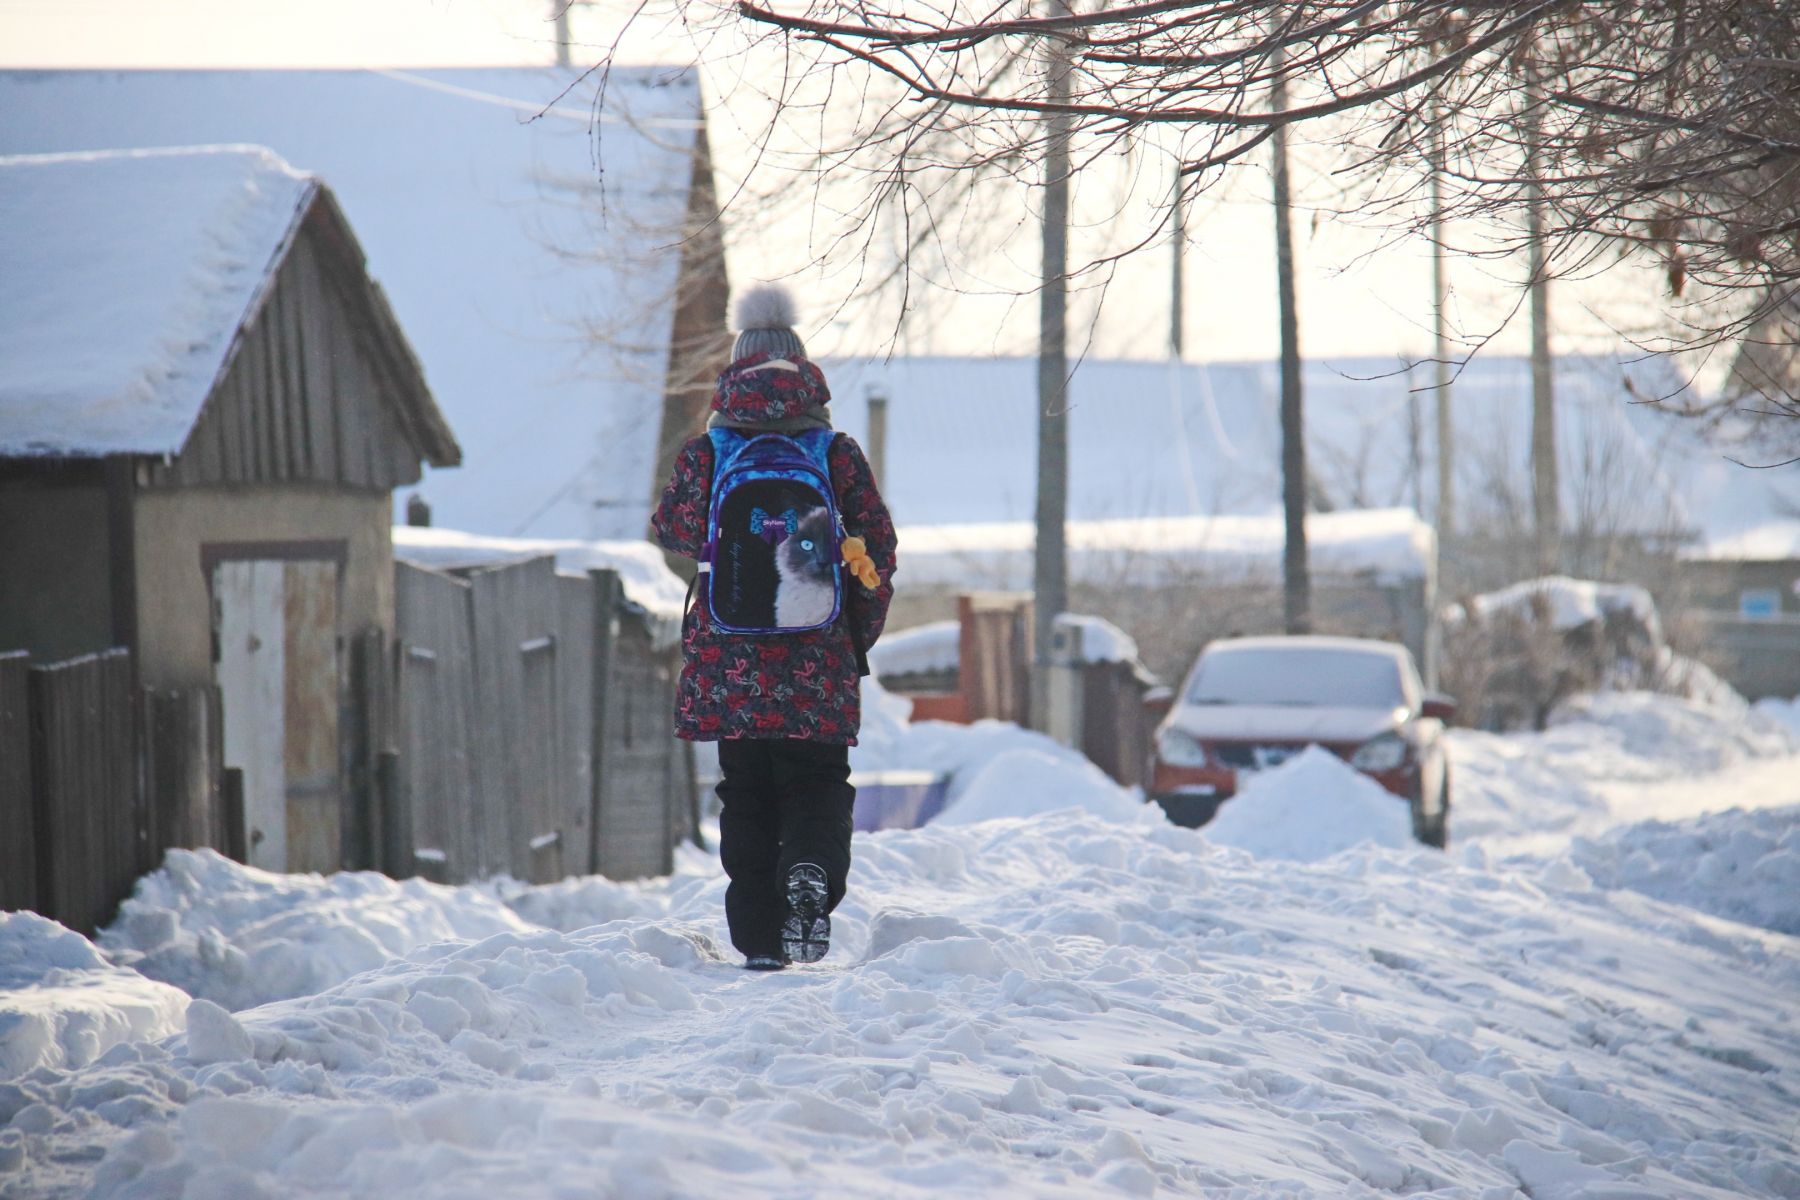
{"x":1298,"y":676}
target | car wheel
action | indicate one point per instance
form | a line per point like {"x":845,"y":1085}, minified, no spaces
{"x":1421,"y":829}
{"x":1440,"y":827}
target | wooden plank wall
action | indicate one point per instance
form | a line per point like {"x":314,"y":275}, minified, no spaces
{"x":304,"y":398}
{"x":18,"y":841}
{"x":84,"y":765}
{"x":535,"y":731}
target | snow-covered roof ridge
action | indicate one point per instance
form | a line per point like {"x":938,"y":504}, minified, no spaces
{"x":124,"y":278}
{"x":1392,"y":542}
{"x":1771,"y":541}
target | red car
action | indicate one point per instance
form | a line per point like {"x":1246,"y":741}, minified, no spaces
{"x":1249,"y":704}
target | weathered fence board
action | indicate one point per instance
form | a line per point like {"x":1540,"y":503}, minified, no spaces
{"x":435,"y":689}
{"x":534,"y":729}
{"x":995,"y":655}
{"x":514,"y":618}
{"x":575,"y":601}
{"x":183,"y":757}
{"x":634,"y":830}
{"x":84,"y":767}
{"x":18,"y":842}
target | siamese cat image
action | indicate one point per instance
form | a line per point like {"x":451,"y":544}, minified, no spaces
{"x":806,"y":562}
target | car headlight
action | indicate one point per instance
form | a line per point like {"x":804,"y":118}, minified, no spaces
{"x":1383,"y":753}
{"x":1179,"y":749}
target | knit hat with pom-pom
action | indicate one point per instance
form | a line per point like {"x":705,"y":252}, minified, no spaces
{"x":764,"y":318}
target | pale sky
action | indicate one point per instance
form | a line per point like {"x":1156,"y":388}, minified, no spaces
{"x":1354,"y":302}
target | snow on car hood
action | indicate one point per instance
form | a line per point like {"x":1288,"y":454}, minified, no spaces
{"x":1284,"y":722}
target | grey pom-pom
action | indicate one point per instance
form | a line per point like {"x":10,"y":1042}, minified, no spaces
{"x":764,"y":306}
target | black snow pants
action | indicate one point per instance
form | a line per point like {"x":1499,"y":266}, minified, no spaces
{"x":783,"y":801}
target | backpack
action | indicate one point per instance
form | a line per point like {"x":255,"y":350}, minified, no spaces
{"x":772,"y":533}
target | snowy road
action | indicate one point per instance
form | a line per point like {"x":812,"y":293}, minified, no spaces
{"x":1071,"y":1003}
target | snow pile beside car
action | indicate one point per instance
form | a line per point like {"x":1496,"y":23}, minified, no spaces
{"x":63,"y":1005}
{"x":1743,"y":865}
{"x":1057,"y":1007}
{"x":1598,"y":752}
{"x":1311,"y":807}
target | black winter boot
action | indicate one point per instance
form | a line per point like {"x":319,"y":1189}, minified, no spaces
{"x":806,"y":934}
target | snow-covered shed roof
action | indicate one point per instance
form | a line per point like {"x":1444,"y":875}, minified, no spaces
{"x":1149,"y":439}
{"x":473,"y":194}
{"x":124,"y":277}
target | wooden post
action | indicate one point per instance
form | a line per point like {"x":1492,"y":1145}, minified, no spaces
{"x":608,"y":593}
{"x":397,"y":858}
{"x":231,"y":800}
{"x":18,"y":839}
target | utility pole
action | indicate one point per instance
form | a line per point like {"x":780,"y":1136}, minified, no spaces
{"x":1440,"y":329}
{"x":559,"y":13}
{"x":1050,"y":567}
{"x":1545,"y":507}
{"x":1177,"y":244}
{"x":1296,"y":580}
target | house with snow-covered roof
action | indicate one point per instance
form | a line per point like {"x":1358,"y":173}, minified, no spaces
{"x":206,"y":404}
{"x":546,"y":237}
{"x":1175,"y":482}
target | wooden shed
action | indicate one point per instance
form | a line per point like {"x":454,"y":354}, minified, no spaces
{"x":205,"y":405}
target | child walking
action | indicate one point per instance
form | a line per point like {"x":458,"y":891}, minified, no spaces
{"x":771,"y":663}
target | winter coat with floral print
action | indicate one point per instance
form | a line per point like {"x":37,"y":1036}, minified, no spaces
{"x":789,"y":685}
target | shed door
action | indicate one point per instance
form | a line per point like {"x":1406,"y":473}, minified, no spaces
{"x":277,"y":672}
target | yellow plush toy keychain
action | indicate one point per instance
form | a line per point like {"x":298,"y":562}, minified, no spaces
{"x":856,"y":556}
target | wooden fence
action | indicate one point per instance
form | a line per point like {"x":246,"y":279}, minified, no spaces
{"x":518,"y":724}
{"x":97,"y":779}
{"x":534,"y":729}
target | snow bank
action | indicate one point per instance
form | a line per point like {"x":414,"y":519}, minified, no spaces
{"x":1603,"y":757}
{"x":1311,"y":807}
{"x":1031,"y":780}
{"x":63,"y":1005}
{"x":1686,"y":735}
{"x":1570,"y":603}
{"x":1743,"y":865}
{"x":127,"y":276}
{"x":240,"y":936}
{"x":648,"y":582}
{"x":1059,"y":1007}
{"x":1783,"y":712}
{"x":997,"y":770}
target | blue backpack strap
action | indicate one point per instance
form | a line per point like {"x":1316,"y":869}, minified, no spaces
{"x":726,"y":443}
{"x":817,"y":444}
